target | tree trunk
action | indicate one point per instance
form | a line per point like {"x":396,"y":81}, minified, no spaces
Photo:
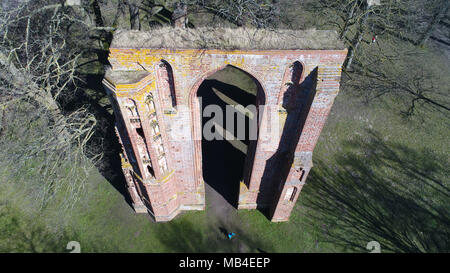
{"x":347,"y":21}
{"x":23,"y":81}
{"x":358,"y":37}
{"x":98,"y":14}
{"x":352,"y":49}
{"x":134,"y":16}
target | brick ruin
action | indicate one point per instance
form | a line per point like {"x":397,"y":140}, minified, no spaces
{"x":158,"y":122}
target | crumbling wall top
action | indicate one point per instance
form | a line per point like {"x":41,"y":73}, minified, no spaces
{"x":228,"y":38}
{"x":125,"y":77}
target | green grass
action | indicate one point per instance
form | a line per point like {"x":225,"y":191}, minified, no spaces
{"x":237,"y":77}
{"x":376,"y":176}
{"x":107,"y":223}
{"x":103,"y":222}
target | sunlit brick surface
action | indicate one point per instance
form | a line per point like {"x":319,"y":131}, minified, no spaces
{"x":153,"y":93}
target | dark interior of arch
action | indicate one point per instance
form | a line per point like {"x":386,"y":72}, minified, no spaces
{"x":223,"y":161}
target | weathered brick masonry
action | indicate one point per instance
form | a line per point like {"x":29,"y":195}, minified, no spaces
{"x":153,"y":93}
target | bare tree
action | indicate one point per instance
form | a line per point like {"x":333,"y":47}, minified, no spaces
{"x":349,"y":17}
{"x":383,"y":59}
{"x":357,"y":19}
{"x":133,"y":9}
{"x":361,"y":29}
{"x":43,"y":146}
{"x":442,"y":10}
{"x":256,"y":13}
{"x":404,"y":73}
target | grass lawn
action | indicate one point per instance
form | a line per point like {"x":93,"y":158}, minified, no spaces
{"x":376,"y":176}
{"x":354,"y":131}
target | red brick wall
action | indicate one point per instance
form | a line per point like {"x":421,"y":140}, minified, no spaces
{"x":281,"y":154}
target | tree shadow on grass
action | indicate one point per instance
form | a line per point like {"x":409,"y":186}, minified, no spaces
{"x":181,"y":235}
{"x":382,"y":191}
{"x":22,"y":234}
{"x":104,"y":140}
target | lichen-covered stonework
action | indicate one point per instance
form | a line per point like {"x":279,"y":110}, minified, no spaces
{"x":153,"y":93}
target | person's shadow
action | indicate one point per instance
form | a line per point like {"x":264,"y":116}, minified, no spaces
{"x":260,"y":250}
{"x":224,"y":232}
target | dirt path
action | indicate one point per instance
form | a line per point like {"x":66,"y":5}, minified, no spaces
{"x":218,"y":209}
{"x":223,"y":218}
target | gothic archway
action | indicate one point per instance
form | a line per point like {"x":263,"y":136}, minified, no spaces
{"x":198,"y":121}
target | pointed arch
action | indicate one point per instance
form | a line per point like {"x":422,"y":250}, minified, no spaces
{"x":166,"y":85}
{"x":196,"y":130}
{"x":293,"y":76}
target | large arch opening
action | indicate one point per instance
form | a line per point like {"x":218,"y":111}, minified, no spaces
{"x":228,"y":104}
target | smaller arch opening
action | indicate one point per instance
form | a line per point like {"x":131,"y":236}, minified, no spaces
{"x":297,"y":72}
{"x":302,"y":174}
{"x":150,"y":171}
{"x":149,"y":103}
{"x":294,"y":192}
{"x":162,"y":164}
{"x":290,"y":194}
{"x":290,"y":96}
{"x":140,"y":132}
{"x":168,"y":83}
{"x":130,"y":105}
